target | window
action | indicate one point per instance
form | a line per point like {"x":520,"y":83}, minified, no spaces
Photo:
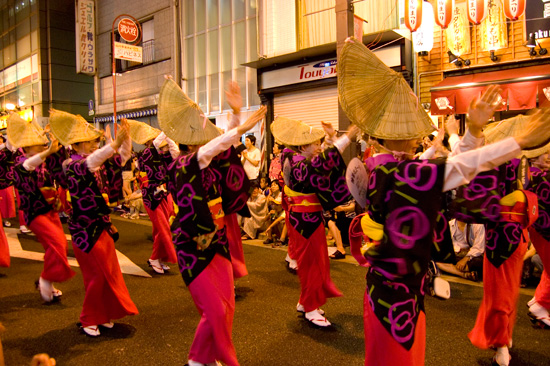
{"x":219,"y":36}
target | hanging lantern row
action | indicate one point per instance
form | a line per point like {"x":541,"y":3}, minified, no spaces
{"x":513,"y":9}
{"x":443,"y":11}
{"x":413,"y":14}
{"x":477,"y":11}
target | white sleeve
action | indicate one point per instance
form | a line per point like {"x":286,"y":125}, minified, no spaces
{"x":428,"y":154}
{"x":32,"y":163}
{"x":341,"y":143}
{"x":98,"y":157}
{"x":233,"y":122}
{"x":173,"y":148}
{"x":468,"y":142}
{"x":479,"y":241}
{"x":159,"y":139}
{"x":221,"y":143}
{"x":461,"y":169}
{"x":125,"y":150}
{"x":454,"y":139}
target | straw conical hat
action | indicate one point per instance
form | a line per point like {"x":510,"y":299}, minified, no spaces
{"x":70,"y":128}
{"x":142,"y":132}
{"x":513,"y":127}
{"x":377,"y":99}
{"x":23,"y":133}
{"x":292,"y":132}
{"x":181,"y":119}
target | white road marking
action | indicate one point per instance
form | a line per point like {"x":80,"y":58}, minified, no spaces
{"x":16,"y":251}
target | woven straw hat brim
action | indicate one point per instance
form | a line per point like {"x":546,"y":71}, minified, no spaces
{"x":181,"y":119}
{"x":23,"y":133}
{"x":377,"y":99}
{"x":70,"y":128}
{"x":513,"y":127}
{"x":292,"y":132}
{"x":141,"y":132}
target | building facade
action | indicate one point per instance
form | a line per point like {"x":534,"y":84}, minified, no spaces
{"x":37,"y":60}
{"x":466,"y":58}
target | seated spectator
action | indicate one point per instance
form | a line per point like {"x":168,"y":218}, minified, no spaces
{"x":264,"y":185}
{"x":257,"y":204}
{"x":338,"y":225}
{"x":135,"y":202}
{"x":469,"y":246}
{"x":276,"y":216}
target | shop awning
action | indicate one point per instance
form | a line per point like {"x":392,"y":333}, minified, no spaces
{"x":129,"y":115}
{"x":520,"y":88}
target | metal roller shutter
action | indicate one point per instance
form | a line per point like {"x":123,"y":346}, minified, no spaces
{"x":309,"y":106}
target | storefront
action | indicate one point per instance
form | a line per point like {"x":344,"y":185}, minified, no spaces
{"x":521,"y":87}
{"x":303,"y":85}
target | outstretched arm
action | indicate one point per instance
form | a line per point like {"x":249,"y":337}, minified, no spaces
{"x":223,"y":142}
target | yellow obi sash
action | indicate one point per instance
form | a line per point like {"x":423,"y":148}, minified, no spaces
{"x":302,"y":202}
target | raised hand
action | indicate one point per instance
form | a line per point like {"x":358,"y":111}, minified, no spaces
{"x":482,"y":109}
{"x":54,"y":146}
{"x":123,"y":131}
{"x":252,"y":120}
{"x":233,"y":97}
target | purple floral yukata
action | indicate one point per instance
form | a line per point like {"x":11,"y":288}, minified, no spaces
{"x":90,"y":214}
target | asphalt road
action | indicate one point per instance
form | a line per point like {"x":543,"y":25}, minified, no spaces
{"x":267,"y":330}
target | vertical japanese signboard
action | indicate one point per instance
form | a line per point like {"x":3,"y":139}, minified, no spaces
{"x":85,"y":37}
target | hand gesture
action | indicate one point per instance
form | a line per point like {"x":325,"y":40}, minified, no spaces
{"x":107,"y":134}
{"x":329,"y":130}
{"x":252,"y":120}
{"x":233,"y":97}
{"x":482,"y":109}
{"x":54,"y":146}
{"x":462,"y":264}
{"x":123,"y":131}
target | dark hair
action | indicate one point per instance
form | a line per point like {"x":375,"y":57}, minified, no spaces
{"x":267,"y":180}
{"x":254,"y":185}
{"x":280,"y":146}
{"x":183,"y":147}
{"x":252,"y":139}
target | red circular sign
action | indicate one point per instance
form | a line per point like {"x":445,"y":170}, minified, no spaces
{"x":128,"y":30}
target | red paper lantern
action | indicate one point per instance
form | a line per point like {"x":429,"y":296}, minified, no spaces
{"x":413,"y":14}
{"x":477,"y":11}
{"x":443,"y":12}
{"x":513,"y":9}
